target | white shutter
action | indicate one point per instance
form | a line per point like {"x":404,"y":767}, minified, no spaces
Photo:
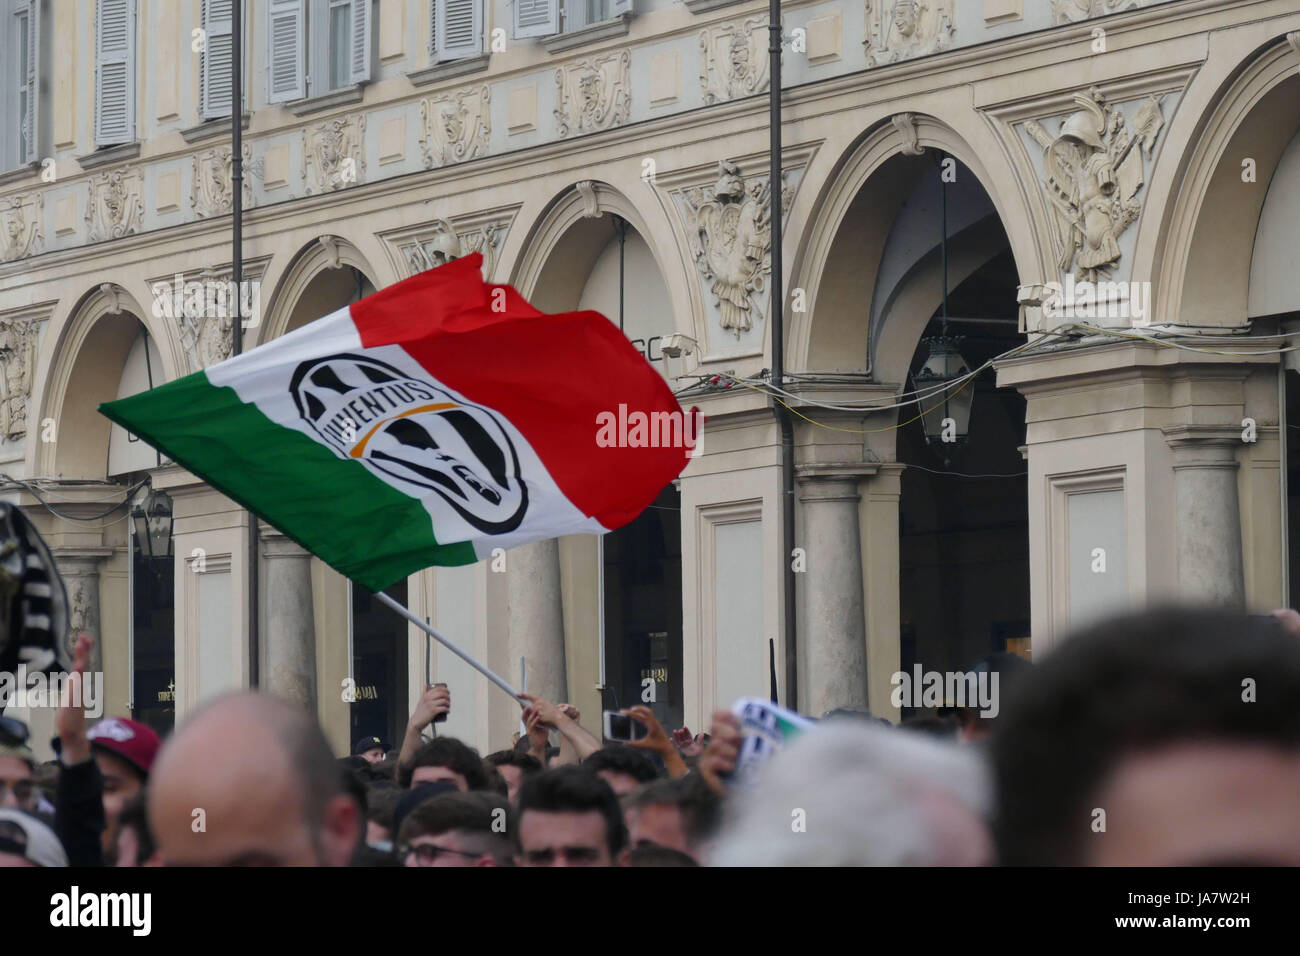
{"x":216,"y":60}
{"x":32,"y":80}
{"x":536,"y":18}
{"x":620,"y":7}
{"x":285,"y":77}
{"x":574,"y":15}
{"x":114,"y":72}
{"x":458,"y":29}
{"x":359,"y":49}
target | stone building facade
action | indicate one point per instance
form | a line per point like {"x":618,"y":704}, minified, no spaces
{"x":958,"y":157}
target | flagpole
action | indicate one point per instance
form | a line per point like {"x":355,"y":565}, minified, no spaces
{"x":486,"y":672}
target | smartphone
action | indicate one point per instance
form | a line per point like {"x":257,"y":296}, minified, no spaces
{"x":443,"y":716}
{"x":622,"y":727}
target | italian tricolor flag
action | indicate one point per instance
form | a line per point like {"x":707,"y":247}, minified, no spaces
{"x":427,"y":424}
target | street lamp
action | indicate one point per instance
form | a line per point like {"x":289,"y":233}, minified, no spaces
{"x":944,"y":366}
{"x":945,"y":421}
{"x":152,"y":518}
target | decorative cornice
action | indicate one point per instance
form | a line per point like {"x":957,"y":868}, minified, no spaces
{"x":213,"y":127}
{"x":344,"y":96}
{"x":836,"y":470}
{"x":1170,"y":79}
{"x":604,"y":30}
{"x":19,"y":173}
{"x":793,"y":156}
{"x":450,"y":69}
{"x":411,"y":247}
{"x":415,"y":186}
{"x":704,"y":6}
{"x":37,"y":312}
{"x":110,"y":154}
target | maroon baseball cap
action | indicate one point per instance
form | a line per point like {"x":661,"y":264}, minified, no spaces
{"x":134,"y":742}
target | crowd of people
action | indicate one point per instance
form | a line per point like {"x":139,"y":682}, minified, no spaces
{"x":1168,"y":737}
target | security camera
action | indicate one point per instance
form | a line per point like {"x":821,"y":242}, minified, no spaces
{"x":677,"y":345}
{"x":1032,"y":295}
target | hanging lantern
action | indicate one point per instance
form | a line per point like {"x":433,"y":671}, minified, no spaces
{"x":945,"y":415}
{"x":152,"y":518}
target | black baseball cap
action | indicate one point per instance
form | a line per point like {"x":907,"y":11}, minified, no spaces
{"x":367,"y":743}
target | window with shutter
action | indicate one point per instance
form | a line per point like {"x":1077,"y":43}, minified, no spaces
{"x":286,"y":31}
{"x":359,"y":42}
{"x":576,"y":13}
{"x":31,"y":83}
{"x":114,"y":72}
{"x":458,"y":29}
{"x":585,"y":13}
{"x":536,"y":18}
{"x":215,"y":61}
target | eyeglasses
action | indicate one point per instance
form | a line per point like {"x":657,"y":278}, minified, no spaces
{"x":14,"y":731}
{"x":428,"y":853}
{"x":573,"y":855}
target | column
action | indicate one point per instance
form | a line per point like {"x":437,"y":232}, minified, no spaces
{"x":880,"y":572}
{"x":79,"y":568}
{"x":833,"y":636}
{"x":537,"y":619}
{"x":1207,"y":514}
{"x":288,"y":624}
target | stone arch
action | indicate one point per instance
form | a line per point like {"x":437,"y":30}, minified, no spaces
{"x":81,"y":366}
{"x":317,"y":258}
{"x":566,"y":225}
{"x":852,"y":218}
{"x":1191,"y":247}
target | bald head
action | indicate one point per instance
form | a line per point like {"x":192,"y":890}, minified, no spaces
{"x":250,"y":780}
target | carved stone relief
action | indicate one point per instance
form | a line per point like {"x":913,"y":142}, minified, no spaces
{"x":211,"y":192}
{"x":456,"y":126}
{"x":1072,"y":11}
{"x":590,"y":201}
{"x":18,"y":340}
{"x":207,"y":338}
{"x":735,"y":60}
{"x":593,"y":94}
{"x":1092,"y":176}
{"x":440,"y":242}
{"x":116,"y":206}
{"x":730,"y":235}
{"x":903,"y":29}
{"x":20,"y":226}
{"x":905,"y":123}
{"x":332,"y":154}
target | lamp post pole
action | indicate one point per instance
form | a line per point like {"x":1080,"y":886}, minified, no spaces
{"x":783,"y":418}
{"x":237,"y":276}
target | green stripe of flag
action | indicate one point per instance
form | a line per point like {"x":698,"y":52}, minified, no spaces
{"x":336,"y":509}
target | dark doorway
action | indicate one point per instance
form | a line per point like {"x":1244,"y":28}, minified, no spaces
{"x":643,"y":611}
{"x":1292,"y":528}
{"x":153,"y":639}
{"x":964,"y":522}
{"x":379,"y":652}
